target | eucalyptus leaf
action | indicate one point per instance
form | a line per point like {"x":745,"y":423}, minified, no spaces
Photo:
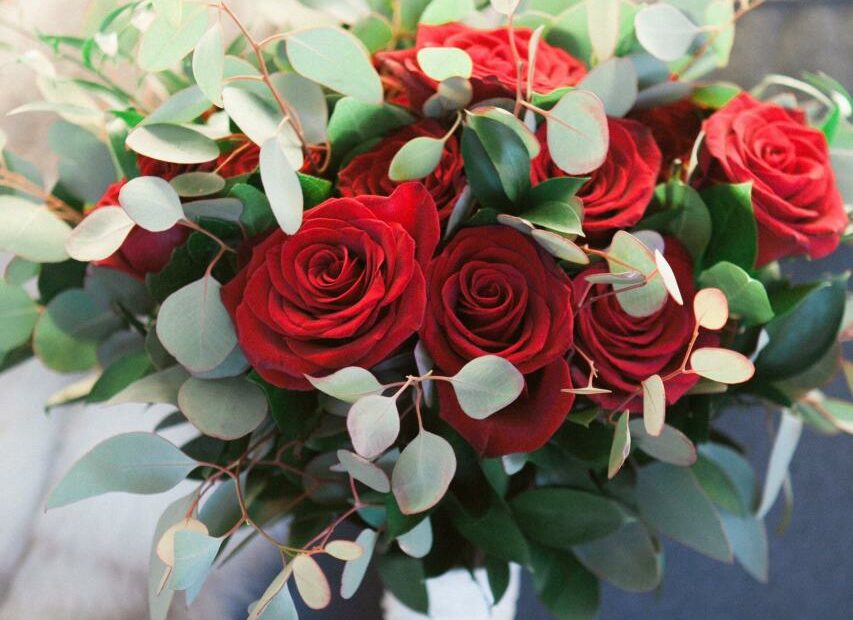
{"x":647,"y":299}
{"x":152,"y":203}
{"x":18,"y":315}
{"x":615,"y":83}
{"x":621,"y":446}
{"x":209,"y":64}
{"x":141,"y":463}
{"x":373,"y":423}
{"x":309,"y":102}
{"x":282,"y":186}
{"x":100,"y":235}
{"x":311,"y":582}
{"x":184,"y":106}
{"x":347,"y":384}
{"x":784,"y":445}
{"x":441,"y":63}
{"x":578,"y":138}
{"x":418,"y":158}
{"x":165,"y":44}
{"x":161,"y":387}
{"x":32,"y":231}
{"x":173,"y":143}
{"x":669,"y":446}
{"x":665,"y":31}
{"x":486,"y":385}
{"x":364,"y":471}
{"x":197,"y":184}
{"x":225,"y":408}
{"x":417,"y":542}
{"x":628,"y":558}
{"x":355,"y":570}
{"x":423,"y":473}
{"x":194,"y":556}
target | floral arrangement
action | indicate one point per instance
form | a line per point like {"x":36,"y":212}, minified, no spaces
{"x":473,"y":278}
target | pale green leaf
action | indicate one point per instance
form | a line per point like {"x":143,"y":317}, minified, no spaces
{"x":417,"y":542}
{"x":784,"y":446}
{"x":603,"y":23}
{"x":423,"y":473}
{"x":311,"y":582}
{"x":445,"y":11}
{"x":162,"y":387}
{"x":159,"y":602}
{"x":32,"y":231}
{"x":355,"y":570}
{"x":373,"y":423}
{"x":628,"y":558}
{"x":223,"y":408}
{"x":441,"y":63}
{"x":172,"y":143}
{"x":669,"y":446}
{"x":560,"y":247}
{"x":152,"y":203}
{"x":18,"y":316}
{"x":578,"y":138}
{"x":197,"y":184}
{"x":194,"y":326}
{"x":417,"y":159}
{"x":486,"y":385}
{"x":308,"y":101}
{"x":621,"y":447}
{"x":171,"y":10}
{"x":194,"y":556}
{"x":615,"y":83}
{"x":647,"y":299}
{"x":345,"y":550}
{"x":654,"y":405}
{"x":209,"y":64}
{"x":721,"y":365}
{"x":711,"y":308}
{"x":274,"y":592}
{"x":664,"y":31}
{"x":282,"y":186}
{"x":184,"y":106}
{"x":347,"y":384}
{"x":748,"y":537}
{"x":165,"y":44}
{"x":100,"y":235}
{"x":141,"y":463}
{"x":336,"y":59}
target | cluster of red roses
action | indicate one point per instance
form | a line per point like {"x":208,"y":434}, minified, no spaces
{"x":368,"y":271}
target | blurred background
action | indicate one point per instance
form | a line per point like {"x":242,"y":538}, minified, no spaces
{"x":89,"y":561}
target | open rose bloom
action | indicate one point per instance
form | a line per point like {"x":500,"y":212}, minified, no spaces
{"x":480,"y":293}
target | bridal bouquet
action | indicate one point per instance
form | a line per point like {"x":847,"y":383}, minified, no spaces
{"x":444,"y":284}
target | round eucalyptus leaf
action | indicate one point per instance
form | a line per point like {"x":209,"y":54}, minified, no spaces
{"x":282,"y":186}
{"x":417,"y":159}
{"x":172,"y":143}
{"x":486,"y":385}
{"x":141,"y":463}
{"x":635,"y":256}
{"x":254,"y":115}
{"x":417,"y":542}
{"x":165,"y":547}
{"x":446,"y":11}
{"x":194,"y":326}
{"x":223,"y":408}
{"x":311,"y":583}
{"x":364,"y":471}
{"x":603,"y":25}
{"x":194,"y":556}
{"x":670,"y":445}
{"x":209,"y":64}
{"x":347,"y":384}
{"x":100,"y":235}
{"x":664,"y":31}
{"x":32,"y":231}
{"x":423,"y":473}
{"x":345,"y":550}
{"x":711,"y":307}
{"x":197,"y":184}
{"x":578,"y":139}
{"x":165,"y":44}
{"x":654,"y":405}
{"x":184,"y":106}
{"x":615,"y":83}
{"x":373,"y":423}
{"x":152,"y":203}
{"x":18,"y":316}
{"x":441,"y":63}
{"x":721,"y":365}
{"x":336,"y":59}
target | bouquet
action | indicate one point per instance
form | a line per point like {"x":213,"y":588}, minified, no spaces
{"x":442,"y":284}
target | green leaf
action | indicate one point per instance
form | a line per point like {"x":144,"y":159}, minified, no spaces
{"x":418,"y":158}
{"x":748,"y":537}
{"x":86,"y":167}
{"x":559,"y":216}
{"x":651,"y":297}
{"x":373,"y":423}
{"x":628,"y":558}
{"x":578,"y":138}
{"x":354,"y":570}
{"x":737,"y":471}
{"x":194,"y":556}
{"x":194,"y":326}
{"x":141,"y":463}
{"x":100,"y":235}
{"x":734,"y":236}
{"x":348,"y":384}
{"x":171,"y":10}
{"x":691,"y":223}
{"x":184,"y":106}
{"x":671,"y":446}
{"x":310,"y":581}
{"x":513,"y":122}
{"x":257,"y":216}
{"x":18,"y":315}
{"x":486,"y":385}
{"x":442,"y":63}
{"x":159,"y":602}
{"x":198,"y":185}
{"x":664,"y":31}
{"x":118,"y":376}
{"x":209,"y":64}
{"x":280,"y":607}
{"x":621,"y":447}
{"x":493,"y":530}
{"x":671,"y":500}
{"x":423,"y":473}
{"x":354,"y":123}
{"x":152,"y":203}
{"x":375,"y":32}
{"x":32,"y":231}
{"x":336,"y":59}
{"x":417,"y":542}
{"x":562,"y":518}
{"x":165,"y":44}
{"x":159,"y":388}
{"x":364,"y":471}
{"x":172,"y":143}
{"x":445,"y":11}
{"x":20,"y":271}
{"x":747,"y":297}
{"x":715,"y":95}
{"x":497,"y":162}
{"x":565,"y":587}
{"x":615,"y":83}
{"x":67,"y":333}
{"x":282,"y":185}
{"x":225,"y":408}
{"x":784,"y":446}
{"x":309,"y":101}
{"x":261,"y":121}
{"x":801,"y":336}
{"x":560,"y":247}
{"x":274,"y":596}
{"x":404,"y":578}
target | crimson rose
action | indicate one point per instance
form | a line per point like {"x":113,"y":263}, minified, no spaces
{"x":142,"y":252}
{"x":675,"y":128}
{"x":617,"y":193}
{"x":627,"y":349}
{"x":493,"y":291}
{"x":346,"y":290}
{"x":367,"y":173}
{"x":494,"y":74}
{"x":797,"y":204}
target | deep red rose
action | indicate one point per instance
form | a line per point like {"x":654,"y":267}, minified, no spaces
{"x":797,"y":204}
{"x":346,"y":290}
{"x":627,"y":349}
{"x":367,"y":173}
{"x":617,"y":193}
{"x":494,"y":73}
{"x":493,"y":291}
{"x":238,"y":161}
{"x":675,"y":128}
{"x":143,"y":252}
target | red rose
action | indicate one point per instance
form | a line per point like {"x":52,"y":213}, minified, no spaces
{"x":675,"y":128}
{"x":627,"y":349}
{"x":494,"y":73}
{"x":368,"y":173}
{"x":617,"y":194}
{"x":242,"y":159}
{"x":493,"y":291}
{"x":346,"y":290}
{"x":143,"y":252}
{"x":797,"y":204}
